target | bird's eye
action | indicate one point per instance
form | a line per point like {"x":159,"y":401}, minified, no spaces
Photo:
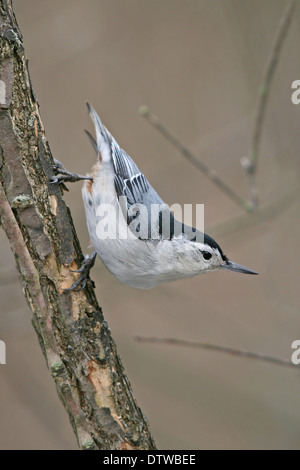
{"x":206,"y":255}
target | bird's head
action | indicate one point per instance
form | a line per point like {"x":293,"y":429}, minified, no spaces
{"x":214,"y":258}
{"x":208,"y":256}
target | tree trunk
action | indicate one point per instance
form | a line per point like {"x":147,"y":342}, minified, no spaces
{"x":76,"y":341}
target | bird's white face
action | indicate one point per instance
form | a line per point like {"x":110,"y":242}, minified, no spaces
{"x":199,"y":258}
{"x":208,"y":258}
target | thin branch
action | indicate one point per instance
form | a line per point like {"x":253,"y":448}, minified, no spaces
{"x":262,"y":215}
{"x":209,"y":173}
{"x":213,"y":347}
{"x":250,"y":165}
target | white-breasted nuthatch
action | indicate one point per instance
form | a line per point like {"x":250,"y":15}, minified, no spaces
{"x":158,"y":251}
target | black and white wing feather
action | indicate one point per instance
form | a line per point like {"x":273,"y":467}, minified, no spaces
{"x":130,"y":181}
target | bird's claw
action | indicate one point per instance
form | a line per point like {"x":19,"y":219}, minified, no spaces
{"x":64,"y":176}
{"x":84,"y":277}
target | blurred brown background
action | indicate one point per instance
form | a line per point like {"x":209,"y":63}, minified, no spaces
{"x":198,"y":65}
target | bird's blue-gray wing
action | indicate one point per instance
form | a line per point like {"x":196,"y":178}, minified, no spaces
{"x":143,"y":203}
{"x":133,"y":185}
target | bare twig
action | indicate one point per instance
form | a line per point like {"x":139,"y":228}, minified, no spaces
{"x":262,"y":215}
{"x":250,"y":165}
{"x":209,"y":173}
{"x":213,"y":347}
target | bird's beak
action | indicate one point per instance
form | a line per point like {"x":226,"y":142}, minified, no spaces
{"x":238,"y":268}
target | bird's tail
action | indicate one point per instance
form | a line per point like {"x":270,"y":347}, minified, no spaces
{"x":102,"y":143}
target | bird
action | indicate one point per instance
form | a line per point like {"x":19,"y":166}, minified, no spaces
{"x":143,"y":248}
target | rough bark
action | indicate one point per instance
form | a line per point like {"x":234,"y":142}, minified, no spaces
{"x":76,"y":341}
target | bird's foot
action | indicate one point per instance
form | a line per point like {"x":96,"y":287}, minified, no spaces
{"x":84,"y":271}
{"x":64,"y":176}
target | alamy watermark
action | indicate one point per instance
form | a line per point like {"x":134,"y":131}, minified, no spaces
{"x":296,"y":94}
{"x":153,"y":221}
{"x":296,"y":354}
{"x":2,"y":353}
